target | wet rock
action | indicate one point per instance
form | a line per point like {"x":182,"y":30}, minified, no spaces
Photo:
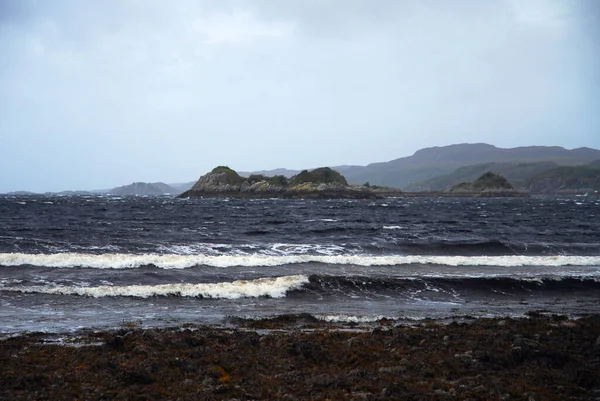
{"x":526,"y":342}
{"x":116,"y":342}
{"x":392,"y":369}
{"x":378,"y":331}
{"x":478,"y":360}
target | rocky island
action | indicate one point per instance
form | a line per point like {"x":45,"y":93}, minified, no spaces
{"x":320,"y":183}
{"x":489,"y":184}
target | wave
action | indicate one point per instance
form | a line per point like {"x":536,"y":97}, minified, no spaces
{"x":129,"y":261}
{"x":435,"y":289}
{"x":470,"y":247}
{"x":449,"y":285}
{"x":389,"y":245}
{"x":448,"y":291}
{"x":274,"y":287}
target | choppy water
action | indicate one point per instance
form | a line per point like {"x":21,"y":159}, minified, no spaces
{"x":72,"y":262}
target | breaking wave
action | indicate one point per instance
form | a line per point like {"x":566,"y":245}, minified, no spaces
{"x":274,"y":287}
{"x":129,"y":261}
{"x":436,"y":289}
{"x":343,"y":318}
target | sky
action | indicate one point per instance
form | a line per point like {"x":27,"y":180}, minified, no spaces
{"x":101,"y":93}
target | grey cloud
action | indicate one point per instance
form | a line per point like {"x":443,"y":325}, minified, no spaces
{"x":144,"y":90}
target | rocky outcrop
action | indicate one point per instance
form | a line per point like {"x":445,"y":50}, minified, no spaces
{"x":220,"y":179}
{"x":489,"y":184}
{"x":319,"y":183}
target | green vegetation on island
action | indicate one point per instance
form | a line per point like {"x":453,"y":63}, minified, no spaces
{"x":322,"y":175}
{"x":231,"y":176}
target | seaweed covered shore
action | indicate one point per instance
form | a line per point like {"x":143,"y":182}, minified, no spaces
{"x":541,"y":357}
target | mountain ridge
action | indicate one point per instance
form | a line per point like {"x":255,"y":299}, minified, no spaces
{"x":430,"y":162}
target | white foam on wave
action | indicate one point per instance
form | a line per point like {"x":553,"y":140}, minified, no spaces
{"x":128,"y":261}
{"x":342,"y":318}
{"x":283,"y":249}
{"x":274,"y":287}
{"x":273,"y":249}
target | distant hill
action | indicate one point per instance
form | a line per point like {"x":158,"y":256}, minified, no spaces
{"x":144,"y":188}
{"x":271,"y":173}
{"x":61,"y":193}
{"x":488,"y":184}
{"x":72,"y":193}
{"x":182,"y":186}
{"x":519,"y":174}
{"x":21,"y":193}
{"x":567,"y":179}
{"x":428,"y":163}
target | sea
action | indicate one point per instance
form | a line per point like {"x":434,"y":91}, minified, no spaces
{"x":97,"y":262}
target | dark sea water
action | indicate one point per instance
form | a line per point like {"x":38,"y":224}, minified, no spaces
{"x":94,"y":262}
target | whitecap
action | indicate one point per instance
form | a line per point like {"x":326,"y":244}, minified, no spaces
{"x":170,"y":261}
{"x":342,"y":318}
{"x":274,"y":287}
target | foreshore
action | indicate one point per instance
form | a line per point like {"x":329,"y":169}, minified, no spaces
{"x":296,"y":357}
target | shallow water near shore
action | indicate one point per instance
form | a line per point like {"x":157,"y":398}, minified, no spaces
{"x":68,"y":263}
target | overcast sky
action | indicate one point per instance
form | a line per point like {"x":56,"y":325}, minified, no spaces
{"x":97,"y":94}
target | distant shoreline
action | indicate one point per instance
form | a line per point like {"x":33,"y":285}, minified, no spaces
{"x":323,"y":195}
{"x":441,"y":194}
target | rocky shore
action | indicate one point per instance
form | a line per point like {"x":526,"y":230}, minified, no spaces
{"x":297,"y":357}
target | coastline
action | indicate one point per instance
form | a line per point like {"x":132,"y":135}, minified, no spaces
{"x":296,"y":357}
